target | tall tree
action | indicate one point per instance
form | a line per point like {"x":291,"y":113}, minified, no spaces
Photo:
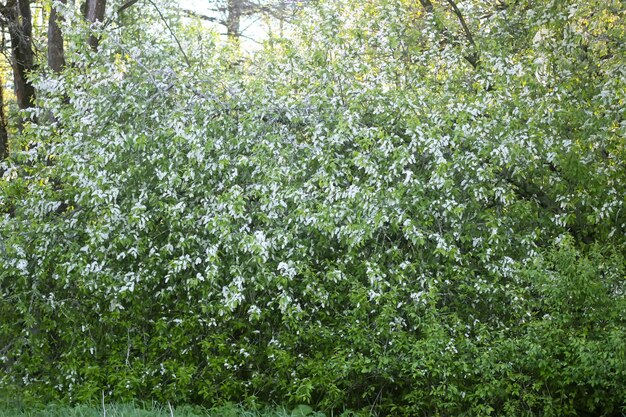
{"x":18,"y":18}
{"x":4,"y":135}
{"x":231,"y":13}
{"x":56,"y":53}
{"x":94,"y":12}
{"x":234,"y":9}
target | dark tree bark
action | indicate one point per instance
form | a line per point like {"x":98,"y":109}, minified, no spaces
{"x":126,"y":5}
{"x":17,"y":15}
{"x":95,"y":13}
{"x":56,"y":53}
{"x":4,"y":135}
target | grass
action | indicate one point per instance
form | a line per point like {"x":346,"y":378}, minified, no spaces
{"x":130,"y":410}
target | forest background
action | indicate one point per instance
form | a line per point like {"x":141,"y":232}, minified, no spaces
{"x":395,"y":207}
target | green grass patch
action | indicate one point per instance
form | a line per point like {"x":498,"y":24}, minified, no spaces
{"x":133,"y":410}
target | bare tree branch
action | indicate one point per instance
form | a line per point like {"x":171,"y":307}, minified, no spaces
{"x":127,"y":5}
{"x":191,"y":13}
{"x":180,"y":47}
{"x":458,"y":14}
{"x":429,"y":7}
{"x":473,"y":57}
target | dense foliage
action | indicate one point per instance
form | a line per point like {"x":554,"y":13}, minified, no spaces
{"x":377,"y":213}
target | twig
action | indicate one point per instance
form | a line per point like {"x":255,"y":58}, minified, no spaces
{"x":191,"y":13}
{"x":171,"y":32}
{"x":128,"y":348}
{"x":104,"y":410}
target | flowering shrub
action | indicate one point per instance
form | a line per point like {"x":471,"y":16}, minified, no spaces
{"x":356,"y":218}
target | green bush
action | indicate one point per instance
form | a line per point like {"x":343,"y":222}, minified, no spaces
{"x":319,"y":227}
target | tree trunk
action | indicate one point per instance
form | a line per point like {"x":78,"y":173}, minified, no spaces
{"x":4,"y":135}
{"x":95,"y":13}
{"x":233,"y":19}
{"x":56,"y":53}
{"x":18,"y":15}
